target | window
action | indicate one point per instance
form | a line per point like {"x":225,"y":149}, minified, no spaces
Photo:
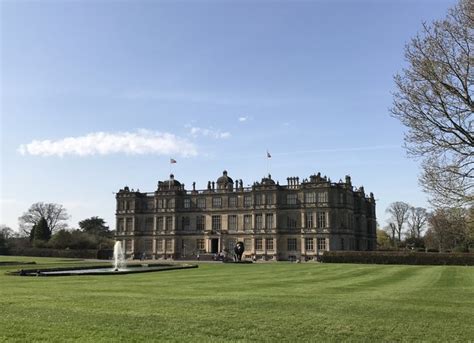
{"x":291,"y":244}
{"x":259,"y":221}
{"x":322,"y":220}
{"x":186,"y":223}
{"x":291,"y":199}
{"x":310,"y":198}
{"x":150,"y":204}
{"x":231,"y":244}
{"x":201,"y":203}
{"x":233,"y":202}
{"x":120,"y":225}
{"x":217,"y":202}
{"x":160,"y":223}
{"x":269,"y":220}
{"x":201,"y":244}
{"x":308,"y":244}
{"x":247,"y":244}
{"x":170,"y":203}
{"x":128,"y":245}
{"x":169,"y":223}
{"x":148,"y":245}
{"x":341,"y":198}
{"x":129,"y":224}
{"x":160,"y":203}
{"x":309,"y":220}
{"x":187,"y":203}
{"x":269,"y":198}
{"x":258,"y":244}
{"x":247,"y":201}
{"x":247,"y":222}
{"x":321,"y":243}
{"x":259,"y":199}
{"x":342,"y":243}
{"x":169,"y":245}
{"x":200,"y":223}
{"x":159,"y":245}
{"x":232,"y":222}
{"x":323,"y":197}
{"x":269,"y":243}
{"x":291,"y":222}
{"x":216,"y":223}
{"x":149,"y":224}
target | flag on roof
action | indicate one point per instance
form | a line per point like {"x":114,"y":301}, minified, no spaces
{"x":268,"y":155}
{"x":172,"y":160}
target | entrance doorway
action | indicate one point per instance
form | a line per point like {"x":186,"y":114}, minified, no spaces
{"x":214,"y":245}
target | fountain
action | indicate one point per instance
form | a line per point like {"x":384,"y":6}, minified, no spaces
{"x":119,"y":267}
{"x":119,"y":257}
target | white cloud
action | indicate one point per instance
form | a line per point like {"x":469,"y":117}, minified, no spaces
{"x":217,"y":134}
{"x":140,"y":142}
{"x":242,"y":119}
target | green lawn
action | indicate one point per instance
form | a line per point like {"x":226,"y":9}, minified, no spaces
{"x":259,"y":302}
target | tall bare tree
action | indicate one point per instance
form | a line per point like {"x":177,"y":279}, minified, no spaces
{"x":417,"y":218}
{"x":434,"y":99}
{"x":398,"y":217}
{"x":55,"y":215}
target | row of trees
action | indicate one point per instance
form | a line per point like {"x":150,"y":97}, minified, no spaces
{"x":44,"y":225}
{"x":442,"y":229}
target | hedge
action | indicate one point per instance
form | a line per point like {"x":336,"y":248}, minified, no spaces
{"x":44,"y":252}
{"x":398,"y":257}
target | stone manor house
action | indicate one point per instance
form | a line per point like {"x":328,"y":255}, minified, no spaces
{"x":298,"y":220}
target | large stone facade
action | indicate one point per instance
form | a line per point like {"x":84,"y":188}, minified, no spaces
{"x":276,"y":222}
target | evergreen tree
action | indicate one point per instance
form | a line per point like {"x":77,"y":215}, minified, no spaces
{"x":41,"y":231}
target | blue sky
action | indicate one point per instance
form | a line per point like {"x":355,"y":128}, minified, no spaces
{"x":96,"y":95}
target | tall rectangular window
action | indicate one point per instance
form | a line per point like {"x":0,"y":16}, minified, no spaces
{"x":120,"y":225}
{"x":259,"y":221}
{"x":159,"y":245}
{"x":269,"y":243}
{"x":200,"y":223}
{"x":160,"y":223}
{"x":248,"y":244}
{"x":200,"y":244}
{"x":291,"y":244}
{"x":169,"y":223}
{"x":269,"y":199}
{"x":322,"y":220}
{"x":247,"y":222}
{"x":310,"y":198}
{"x":149,"y":224}
{"x":259,"y":199}
{"x":186,"y":223}
{"x":232,"y":222}
{"x":291,"y":199}
{"x":258,"y":244}
{"x":201,"y":203}
{"x":308,"y":244}
{"x":233,"y":202}
{"x":187,"y":203}
{"x":269,"y":220}
{"x":217,"y":202}
{"x":248,"y":201}
{"x":216,"y":223}
{"x":129,"y":224}
{"x":169,"y":245}
{"x":321,"y":244}
{"x":291,"y":222}
{"x":323,"y":197}
{"x":308,"y":220}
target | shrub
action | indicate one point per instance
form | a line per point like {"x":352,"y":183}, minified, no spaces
{"x":400,"y":257}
